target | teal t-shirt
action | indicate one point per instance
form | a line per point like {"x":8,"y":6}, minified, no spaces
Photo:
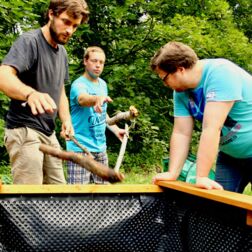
{"x":89,"y":126}
{"x":222,"y":80}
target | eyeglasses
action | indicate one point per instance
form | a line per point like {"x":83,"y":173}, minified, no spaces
{"x":165,"y":77}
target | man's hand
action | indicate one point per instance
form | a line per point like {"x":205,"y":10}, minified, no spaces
{"x":67,"y":130}
{"x":163,"y":176}
{"x":207,"y":183}
{"x":99,"y":102}
{"x":120,"y":134}
{"x":40,"y":103}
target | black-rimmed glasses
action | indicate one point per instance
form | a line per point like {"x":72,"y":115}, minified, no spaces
{"x":165,"y":77}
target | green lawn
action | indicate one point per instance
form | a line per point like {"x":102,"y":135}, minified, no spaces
{"x":137,"y":178}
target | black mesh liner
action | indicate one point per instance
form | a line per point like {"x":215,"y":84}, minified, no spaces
{"x":89,"y":223}
{"x":209,"y":230}
{"x":170,"y":221}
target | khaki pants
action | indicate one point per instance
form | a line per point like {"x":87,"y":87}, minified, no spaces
{"x":28,"y":164}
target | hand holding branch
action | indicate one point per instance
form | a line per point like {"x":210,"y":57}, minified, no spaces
{"x":122,"y":134}
{"x":67,"y":130}
{"x":131,"y":114}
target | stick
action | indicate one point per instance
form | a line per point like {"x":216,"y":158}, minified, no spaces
{"x":86,"y":162}
{"x":122,"y":149}
{"x":128,"y":115}
{"x":85,"y":150}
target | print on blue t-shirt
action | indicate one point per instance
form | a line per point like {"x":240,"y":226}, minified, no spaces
{"x":196,"y":104}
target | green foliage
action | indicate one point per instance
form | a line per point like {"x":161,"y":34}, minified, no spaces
{"x":5,"y":175}
{"x":242,"y":11}
{"x":130,"y":31}
{"x":17,"y":16}
{"x":4,"y":105}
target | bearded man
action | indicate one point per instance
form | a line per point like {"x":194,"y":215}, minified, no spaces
{"x":33,"y":74}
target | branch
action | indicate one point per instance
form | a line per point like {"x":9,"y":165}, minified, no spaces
{"x":84,"y":149}
{"x":122,"y":149}
{"x":128,"y":115}
{"x":84,"y":161}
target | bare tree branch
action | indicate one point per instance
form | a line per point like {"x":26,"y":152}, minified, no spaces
{"x":86,"y":162}
{"x":128,"y":115}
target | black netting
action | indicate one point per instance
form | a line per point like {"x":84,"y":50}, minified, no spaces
{"x":207,"y":231}
{"x":94,"y":223}
{"x":121,"y":222}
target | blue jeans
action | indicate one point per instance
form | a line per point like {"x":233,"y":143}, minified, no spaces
{"x":233,"y":173}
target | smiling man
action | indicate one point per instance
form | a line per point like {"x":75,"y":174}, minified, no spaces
{"x":33,"y":74}
{"x":88,"y":102}
{"x":218,"y":93}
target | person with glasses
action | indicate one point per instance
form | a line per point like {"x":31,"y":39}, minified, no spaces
{"x":218,"y":93}
{"x":88,"y":103}
{"x":33,"y":74}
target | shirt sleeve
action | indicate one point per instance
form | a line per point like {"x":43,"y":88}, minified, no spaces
{"x":104,"y":87}
{"x":180,"y":104}
{"x":67,"y":67}
{"x":223,"y":84}
{"x":23,"y":54}
{"x":77,"y":89}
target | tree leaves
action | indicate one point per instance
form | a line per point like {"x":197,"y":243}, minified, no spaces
{"x":130,"y":31}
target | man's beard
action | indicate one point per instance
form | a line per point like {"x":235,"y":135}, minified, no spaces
{"x":56,"y":36}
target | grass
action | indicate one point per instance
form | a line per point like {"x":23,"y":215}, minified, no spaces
{"x":138,"y":178}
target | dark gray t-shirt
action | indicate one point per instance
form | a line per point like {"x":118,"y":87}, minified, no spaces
{"x":42,"y":67}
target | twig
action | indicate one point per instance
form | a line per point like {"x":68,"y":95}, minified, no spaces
{"x":85,"y":150}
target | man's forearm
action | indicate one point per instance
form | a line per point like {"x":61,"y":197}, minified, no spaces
{"x":113,"y":128}
{"x":207,"y":152}
{"x":11,"y":85}
{"x":86,"y":100}
{"x":179,"y":148}
{"x":64,"y":113}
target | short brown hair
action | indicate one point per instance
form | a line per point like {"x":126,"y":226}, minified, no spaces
{"x":74,"y":8}
{"x":173,"y":55}
{"x":92,"y":49}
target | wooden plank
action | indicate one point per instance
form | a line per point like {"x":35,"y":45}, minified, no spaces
{"x":230,"y":198}
{"x":249,"y":218}
{"x":57,"y":189}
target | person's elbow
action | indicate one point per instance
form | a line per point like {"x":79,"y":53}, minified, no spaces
{"x":6,"y":69}
{"x":5,"y":72}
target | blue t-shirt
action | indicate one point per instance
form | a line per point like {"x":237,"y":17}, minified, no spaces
{"x":222,"y":80}
{"x":89,"y":126}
